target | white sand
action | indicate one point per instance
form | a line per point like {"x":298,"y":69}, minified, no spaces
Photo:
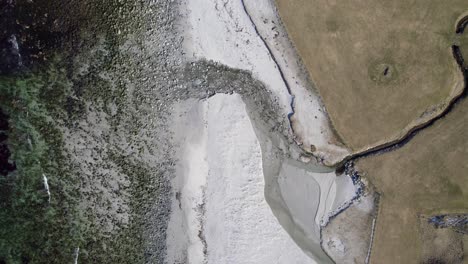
{"x":186,"y":220}
{"x":222,"y":31}
{"x":310,"y":198}
{"x":310,"y":122}
{"x":334,"y":191}
{"x":223,"y":216}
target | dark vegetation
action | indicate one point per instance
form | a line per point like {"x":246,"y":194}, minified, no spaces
{"x":31,"y":229}
{"x":8,"y":55}
{"x":434,"y":261}
{"x":6,"y":165}
{"x":461,"y":25}
{"x":38,"y":42}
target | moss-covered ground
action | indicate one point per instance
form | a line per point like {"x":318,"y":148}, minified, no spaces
{"x":43,"y":100}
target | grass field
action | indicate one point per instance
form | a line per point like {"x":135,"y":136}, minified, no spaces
{"x":381,"y":67}
{"x":445,"y":245}
{"x":426,"y":176}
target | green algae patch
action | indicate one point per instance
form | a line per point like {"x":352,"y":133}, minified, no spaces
{"x":34,"y":229}
{"x":76,"y":68}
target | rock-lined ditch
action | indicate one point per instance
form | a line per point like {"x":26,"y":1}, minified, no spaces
{"x":390,"y":146}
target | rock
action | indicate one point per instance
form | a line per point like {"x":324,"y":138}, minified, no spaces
{"x":10,"y":57}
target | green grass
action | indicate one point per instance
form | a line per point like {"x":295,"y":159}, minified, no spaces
{"x":31,"y":229}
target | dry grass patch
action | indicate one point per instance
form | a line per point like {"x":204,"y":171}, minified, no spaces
{"x":382,"y":67}
{"x":425,"y":176}
{"x":440,"y":245}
